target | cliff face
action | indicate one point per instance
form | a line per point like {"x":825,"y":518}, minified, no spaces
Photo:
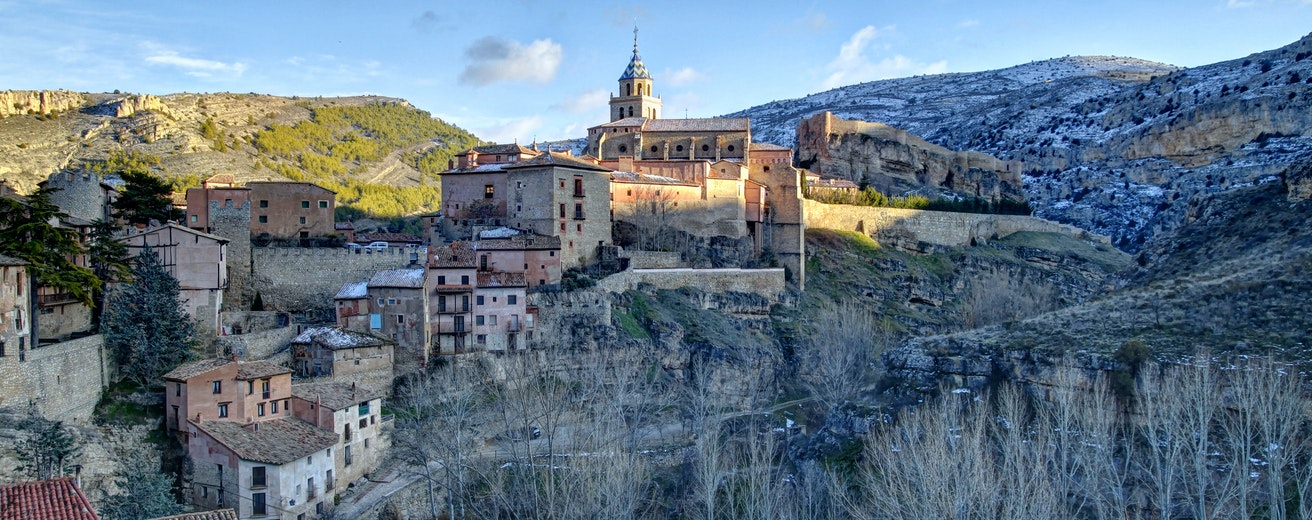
{"x":896,"y":162}
{"x":43,"y":102}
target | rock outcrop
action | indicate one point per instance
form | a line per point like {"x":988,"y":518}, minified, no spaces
{"x":131,"y":104}
{"x":43,"y":102}
{"x":896,"y":162}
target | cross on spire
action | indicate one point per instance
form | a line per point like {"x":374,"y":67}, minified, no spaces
{"x":635,"y":38}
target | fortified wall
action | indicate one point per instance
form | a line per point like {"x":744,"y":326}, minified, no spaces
{"x":233,"y":222}
{"x":896,"y":162}
{"x":63,"y":379}
{"x":768,"y":283}
{"x":910,"y":228}
{"x":80,"y":194}
{"x":297,"y":279}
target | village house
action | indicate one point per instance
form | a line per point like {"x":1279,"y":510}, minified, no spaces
{"x":225,"y":389}
{"x":344,"y":355}
{"x":197,"y":260}
{"x":399,"y":311}
{"x":220,"y":189}
{"x":14,"y":303}
{"x":278,"y":468}
{"x":351,"y":305}
{"x":278,"y":209}
{"x":500,"y":312}
{"x":355,"y":413}
{"x":512,"y":250}
{"x":450,"y":284}
{"x":54,"y":499}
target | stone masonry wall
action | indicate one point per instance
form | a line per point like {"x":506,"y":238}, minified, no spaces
{"x":257,"y":345}
{"x":234,"y":223}
{"x":79,"y":195}
{"x":765,"y":282}
{"x":302,"y":279}
{"x":653,"y":259}
{"x":63,"y":379}
{"x":905,"y":227}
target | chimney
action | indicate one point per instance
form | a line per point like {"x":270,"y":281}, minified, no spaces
{"x":198,"y":419}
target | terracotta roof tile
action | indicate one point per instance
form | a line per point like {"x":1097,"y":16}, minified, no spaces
{"x":499,"y":149}
{"x":557,"y":159}
{"x":362,"y":238}
{"x":501,"y":279}
{"x":217,"y":514}
{"x":770,"y":147}
{"x":275,"y":441}
{"x":522,"y":241}
{"x":707,"y":124}
{"x":458,"y":254}
{"x":248,"y":370}
{"x":192,"y":369}
{"x":403,"y":278}
{"x":647,"y":178}
{"x":56,"y":499}
{"x":335,"y":396}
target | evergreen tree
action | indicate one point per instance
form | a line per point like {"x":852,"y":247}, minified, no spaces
{"x":144,"y":492}
{"x":109,"y":261}
{"x":144,"y":198}
{"x":144,"y":323}
{"x":30,"y":231}
{"x":48,"y":448}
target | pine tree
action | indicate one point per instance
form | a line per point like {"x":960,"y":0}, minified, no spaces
{"x":144,"y":198}
{"x":109,"y":261}
{"x":48,"y":448}
{"x":144,"y":323}
{"x":144,"y":491}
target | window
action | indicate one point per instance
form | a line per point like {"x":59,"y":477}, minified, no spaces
{"x":258,"y":477}
{"x":478,"y":320}
{"x":217,"y":386}
{"x":578,"y":227}
{"x":562,"y":210}
{"x":223,"y":409}
{"x":511,"y":299}
{"x":323,"y":204}
{"x":678,"y":148}
{"x":653,"y":149}
{"x":464,"y":280}
{"x":348,"y":451}
{"x":578,"y":186}
{"x":177,"y":390}
{"x":364,"y":423}
{"x":551,"y":253}
{"x":623,"y":149}
{"x":257,"y":504}
{"x":302,"y":220}
{"x":264,"y":204}
{"x":194,"y":219}
{"x":381,"y":302}
{"x":730,"y":148}
{"x":706,"y":148}
{"x":492,"y":319}
{"x":481,"y":339}
{"x":274,"y":409}
{"x":578,"y":210}
{"x":391,"y":301}
{"x":489,"y":191}
{"x":259,"y":409}
{"x":328,"y":480}
{"x":441,"y":280}
{"x":305,"y":204}
{"x":400,"y":319}
{"x":562,"y":226}
{"x":264,"y":388}
{"x":264,"y":219}
{"x":250,"y":387}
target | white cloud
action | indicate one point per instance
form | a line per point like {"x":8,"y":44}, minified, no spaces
{"x":507,"y":131}
{"x":968,"y":23}
{"x":682,"y":77}
{"x":853,"y":65}
{"x":197,"y":67}
{"x":585,"y":102}
{"x":492,"y":59}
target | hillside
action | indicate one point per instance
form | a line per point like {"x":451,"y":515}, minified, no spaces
{"x":1114,"y":145}
{"x":379,"y":154}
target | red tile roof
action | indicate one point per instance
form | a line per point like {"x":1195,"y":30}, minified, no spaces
{"x":217,"y":514}
{"x":57,"y":499}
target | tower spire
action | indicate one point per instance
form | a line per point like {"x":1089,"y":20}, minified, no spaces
{"x":635,"y":38}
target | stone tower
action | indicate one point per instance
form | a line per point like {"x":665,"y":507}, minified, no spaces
{"x":635,"y":98}
{"x":80,"y":194}
{"x":233,"y":222}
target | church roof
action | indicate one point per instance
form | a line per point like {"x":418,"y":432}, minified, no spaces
{"x":557,"y":159}
{"x":707,"y":124}
{"x":769,"y":147}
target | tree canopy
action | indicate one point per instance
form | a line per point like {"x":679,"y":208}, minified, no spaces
{"x":144,"y":196}
{"x":144,"y":323}
{"x":30,"y":231}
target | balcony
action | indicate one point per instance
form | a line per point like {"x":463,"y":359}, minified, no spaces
{"x":452,"y":289}
{"x":453,"y":309}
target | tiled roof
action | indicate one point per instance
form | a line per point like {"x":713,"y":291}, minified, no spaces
{"x":353,"y":291}
{"x":221,"y":178}
{"x":275,"y":441}
{"x":715,"y":174}
{"x":646,"y":178}
{"x":636,"y":69}
{"x":178,"y":199}
{"x":500,"y":149}
{"x":195,"y":368}
{"x":178,"y":228}
{"x":9,"y":260}
{"x":708,"y":124}
{"x":56,"y":499}
{"x":621,"y":123}
{"x":458,"y":254}
{"x":290,"y":182}
{"x":557,"y":159}
{"x":482,"y":168}
{"x":387,"y":237}
{"x":217,"y":514}
{"x":405,"y":278}
{"x":248,"y":370}
{"x":501,"y":279}
{"x":335,"y":396}
{"x":343,"y":225}
{"x":522,"y":241}
{"x":334,"y":338}
{"x":770,"y":147}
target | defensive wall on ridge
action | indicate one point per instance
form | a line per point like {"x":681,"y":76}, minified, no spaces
{"x":63,"y":379}
{"x":300,"y":279}
{"x":905,"y":227}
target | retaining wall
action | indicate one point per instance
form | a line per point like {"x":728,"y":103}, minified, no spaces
{"x":765,"y":282}
{"x":63,"y":379}
{"x":934,"y":227}
{"x":299,"y":279}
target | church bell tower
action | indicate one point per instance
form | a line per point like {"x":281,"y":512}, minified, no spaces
{"x":635,"y":98}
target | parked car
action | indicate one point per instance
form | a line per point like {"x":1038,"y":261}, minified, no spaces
{"x":377,"y":246}
{"x":353,"y":246}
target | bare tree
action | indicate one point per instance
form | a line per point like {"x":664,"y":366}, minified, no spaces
{"x":842,"y":354}
{"x":449,"y":401}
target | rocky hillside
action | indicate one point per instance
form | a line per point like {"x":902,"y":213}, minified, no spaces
{"x":345,"y":141}
{"x":1234,"y":278}
{"x":1114,"y":145}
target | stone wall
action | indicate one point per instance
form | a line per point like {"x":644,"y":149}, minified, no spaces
{"x":306,"y":279}
{"x":765,"y":282}
{"x":79,"y":195}
{"x":233,"y":222}
{"x":257,"y":345}
{"x":653,"y":259}
{"x":910,"y":228}
{"x":63,"y":379}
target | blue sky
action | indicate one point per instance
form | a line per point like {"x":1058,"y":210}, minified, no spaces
{"x":530,"y":68}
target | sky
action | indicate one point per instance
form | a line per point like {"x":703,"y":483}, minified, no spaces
{"x":539,"y":70}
